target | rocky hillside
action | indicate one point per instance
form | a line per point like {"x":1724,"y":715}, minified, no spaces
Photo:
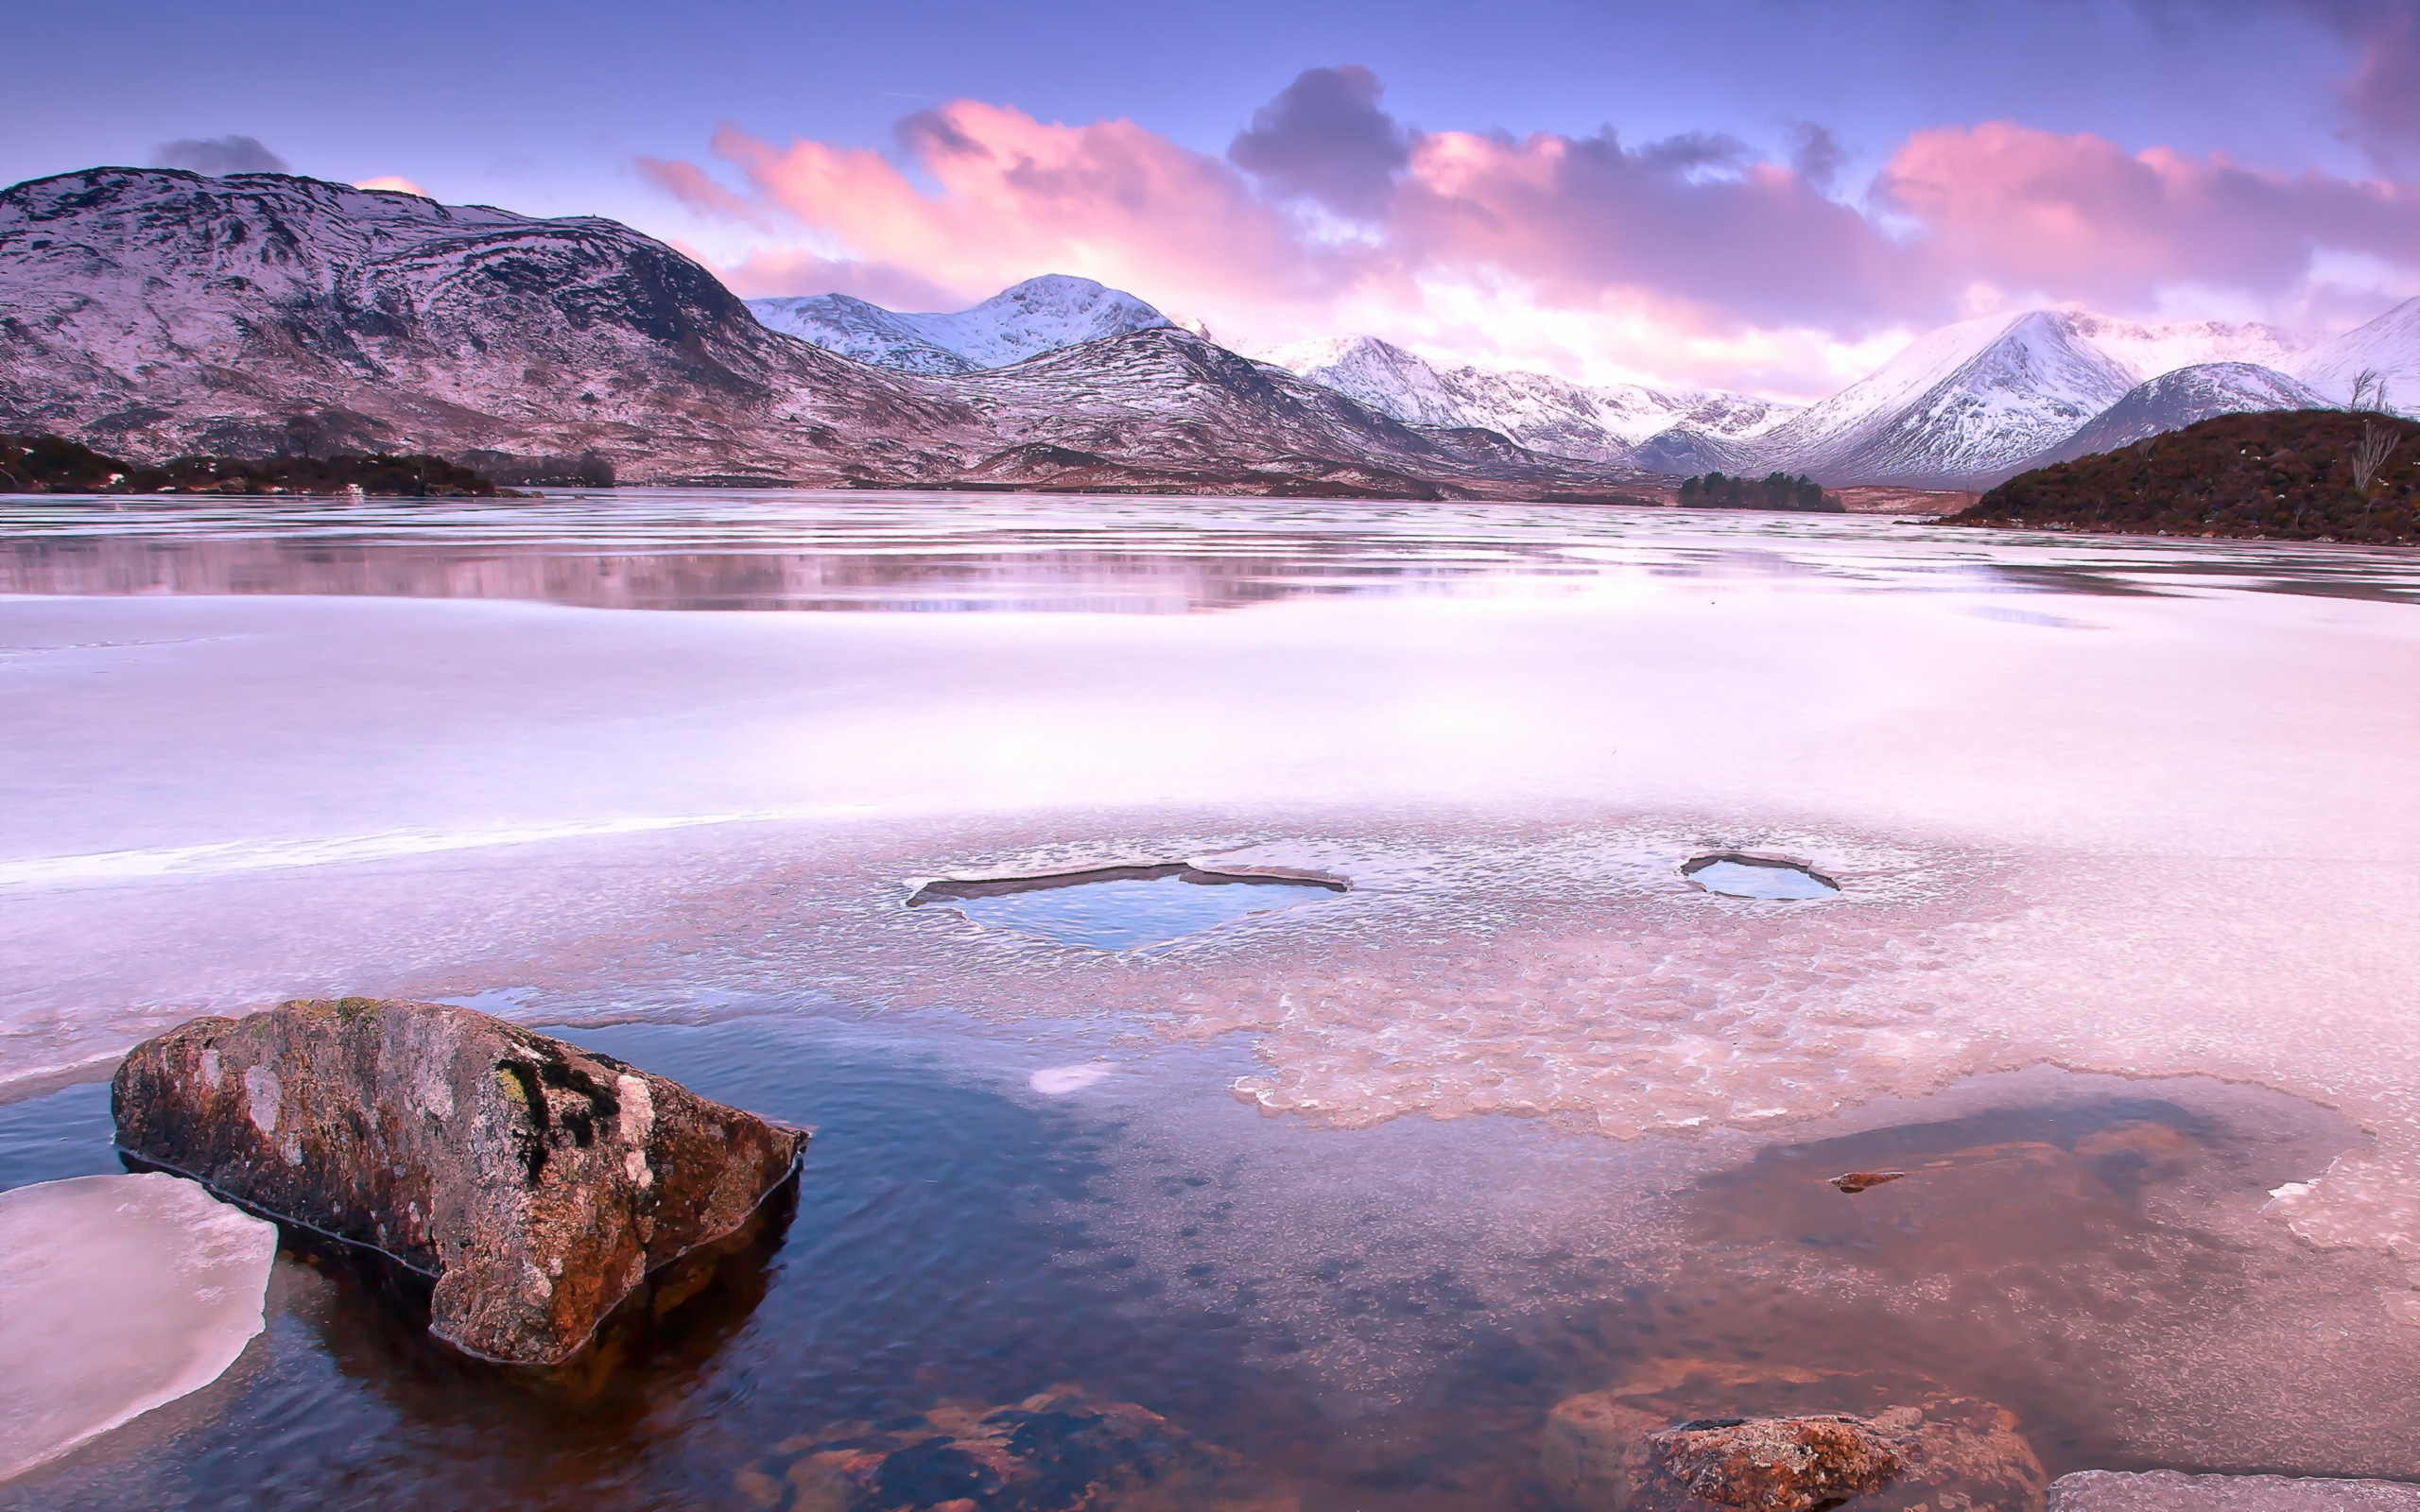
{"x":154,"y":312}
{"x":151,"y":313}
{"x":2288,"y":474}
{"x":50,"y":464}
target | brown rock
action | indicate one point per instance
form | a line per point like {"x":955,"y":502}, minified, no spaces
{"x":535,"y":1183}
{"x":1649,"y":1446}
{"x":1060,"y":1451}
{"x":1776,"y":1464}
{"x":1857,"y":1181}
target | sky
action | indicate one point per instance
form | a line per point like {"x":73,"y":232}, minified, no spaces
{"x":1762,"y":195}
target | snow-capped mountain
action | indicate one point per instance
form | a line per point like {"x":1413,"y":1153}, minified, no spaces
{"x":1199,"y":411}
{"x":149,"y":312}
{"x":1600,"y":422}
{"x":1973,"y":402}
{"x":2388,"y":345}
{"x":1037,"y":316}
{"x":2175,"y":399}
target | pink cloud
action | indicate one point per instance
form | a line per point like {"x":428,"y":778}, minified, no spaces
{"x":1016,"y":197}
{"x":2078,"y":217}
{"x":1690,"y":258}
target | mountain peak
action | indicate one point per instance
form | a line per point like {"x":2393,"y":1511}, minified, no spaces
{"x":1023,"y":321}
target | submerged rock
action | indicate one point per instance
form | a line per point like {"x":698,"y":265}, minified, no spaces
{"x":1057,"y":1452}
{"x":537,"y":1183}
{"x":118,"y":1294}
{"x":2169,"y":1491}
{"x":1646,"y":1446}
{"x":1780,"y":1464}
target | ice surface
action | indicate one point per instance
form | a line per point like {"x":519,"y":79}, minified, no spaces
{"x":2181,"y":843}
{"x":118,"y":1294}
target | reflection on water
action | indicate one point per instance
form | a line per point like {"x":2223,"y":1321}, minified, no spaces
{"x":664,"y":549}
{"x":958,"y":1250}
{"x":1734,"y":875}
{"x":1120,"y":908}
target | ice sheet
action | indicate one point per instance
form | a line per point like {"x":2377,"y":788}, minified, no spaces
{"x":2171,"y":829}
{"x":118,"y":1294}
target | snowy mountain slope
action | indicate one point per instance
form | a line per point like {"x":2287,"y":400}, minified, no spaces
{"x":2390,"y":346}
{"x":1965,"y":401}
{"x":149,"y":312}
{"x":1193,"y":408}
{"x":1541,"y":412}
{"x":1037,"y":316}
{"x":2175,"y":399}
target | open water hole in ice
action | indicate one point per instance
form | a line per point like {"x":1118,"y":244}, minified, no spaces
{"x":255,"y":756}
{"x":1758,"y":877}
{"x":1120,"y":908}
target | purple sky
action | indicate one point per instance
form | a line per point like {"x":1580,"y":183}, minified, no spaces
{"x":1769,"y":196}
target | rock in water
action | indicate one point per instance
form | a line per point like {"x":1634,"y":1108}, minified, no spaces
{"x":118,"y":1294}
{"x":1776,"y":1464}
{"x":1060,"y":1451}
{"x":1803,"y":1438}
{"x":536,"y":1182}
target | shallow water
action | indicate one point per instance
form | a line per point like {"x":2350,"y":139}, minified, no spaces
{"x":1120,"y":908}
{"x":1355,"y":1188}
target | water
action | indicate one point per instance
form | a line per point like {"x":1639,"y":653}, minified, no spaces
{"x":1120,"y":908}
{"x":1757,"y":877}
{"x":1357,"y":1188}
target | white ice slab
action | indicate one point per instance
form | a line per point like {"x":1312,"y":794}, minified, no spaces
{"x":118,"y":1294}
{"x":2167,"y":1491}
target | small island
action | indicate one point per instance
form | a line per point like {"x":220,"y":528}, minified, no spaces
{"x":1775,"y":491}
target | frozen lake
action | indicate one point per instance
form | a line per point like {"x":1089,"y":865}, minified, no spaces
{"x":2126,"y":838}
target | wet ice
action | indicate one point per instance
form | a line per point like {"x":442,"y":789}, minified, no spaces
{"x":2121,"y":851}
{"x":118,"y":1294}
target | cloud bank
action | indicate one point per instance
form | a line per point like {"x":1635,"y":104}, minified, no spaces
{"x":219,"y":156}
{"x":1694,"y":258}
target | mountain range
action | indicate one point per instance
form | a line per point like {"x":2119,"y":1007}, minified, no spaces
{"x":149,"y":312}
{"x":1964,"y":406}
{"x":155,"y":312}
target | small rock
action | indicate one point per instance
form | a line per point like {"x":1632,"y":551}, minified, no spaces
{"x":1648,"y":1445}
{"x":1776,"y":1464}
{"x":537,"y":1183}
{"x":2169,"y":1491}
{"x":1060,"y":1451}
{"x":1857,"y":1181}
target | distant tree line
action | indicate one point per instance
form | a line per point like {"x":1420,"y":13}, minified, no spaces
{"x":52,"y":464}
{"x":1774,"y":490}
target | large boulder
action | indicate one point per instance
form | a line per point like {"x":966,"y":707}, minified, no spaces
{"x":1654,"y":1444}
{"x":537,"y":1183}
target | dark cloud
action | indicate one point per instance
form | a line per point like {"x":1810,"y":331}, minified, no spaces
{"x":1324,"y":138}
{"x":219,"y":156}
{"x":1816,"y":155}
{"x":2382,"y":94}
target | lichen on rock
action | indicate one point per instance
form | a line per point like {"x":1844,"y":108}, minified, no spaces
{"x":536,"y":1183}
